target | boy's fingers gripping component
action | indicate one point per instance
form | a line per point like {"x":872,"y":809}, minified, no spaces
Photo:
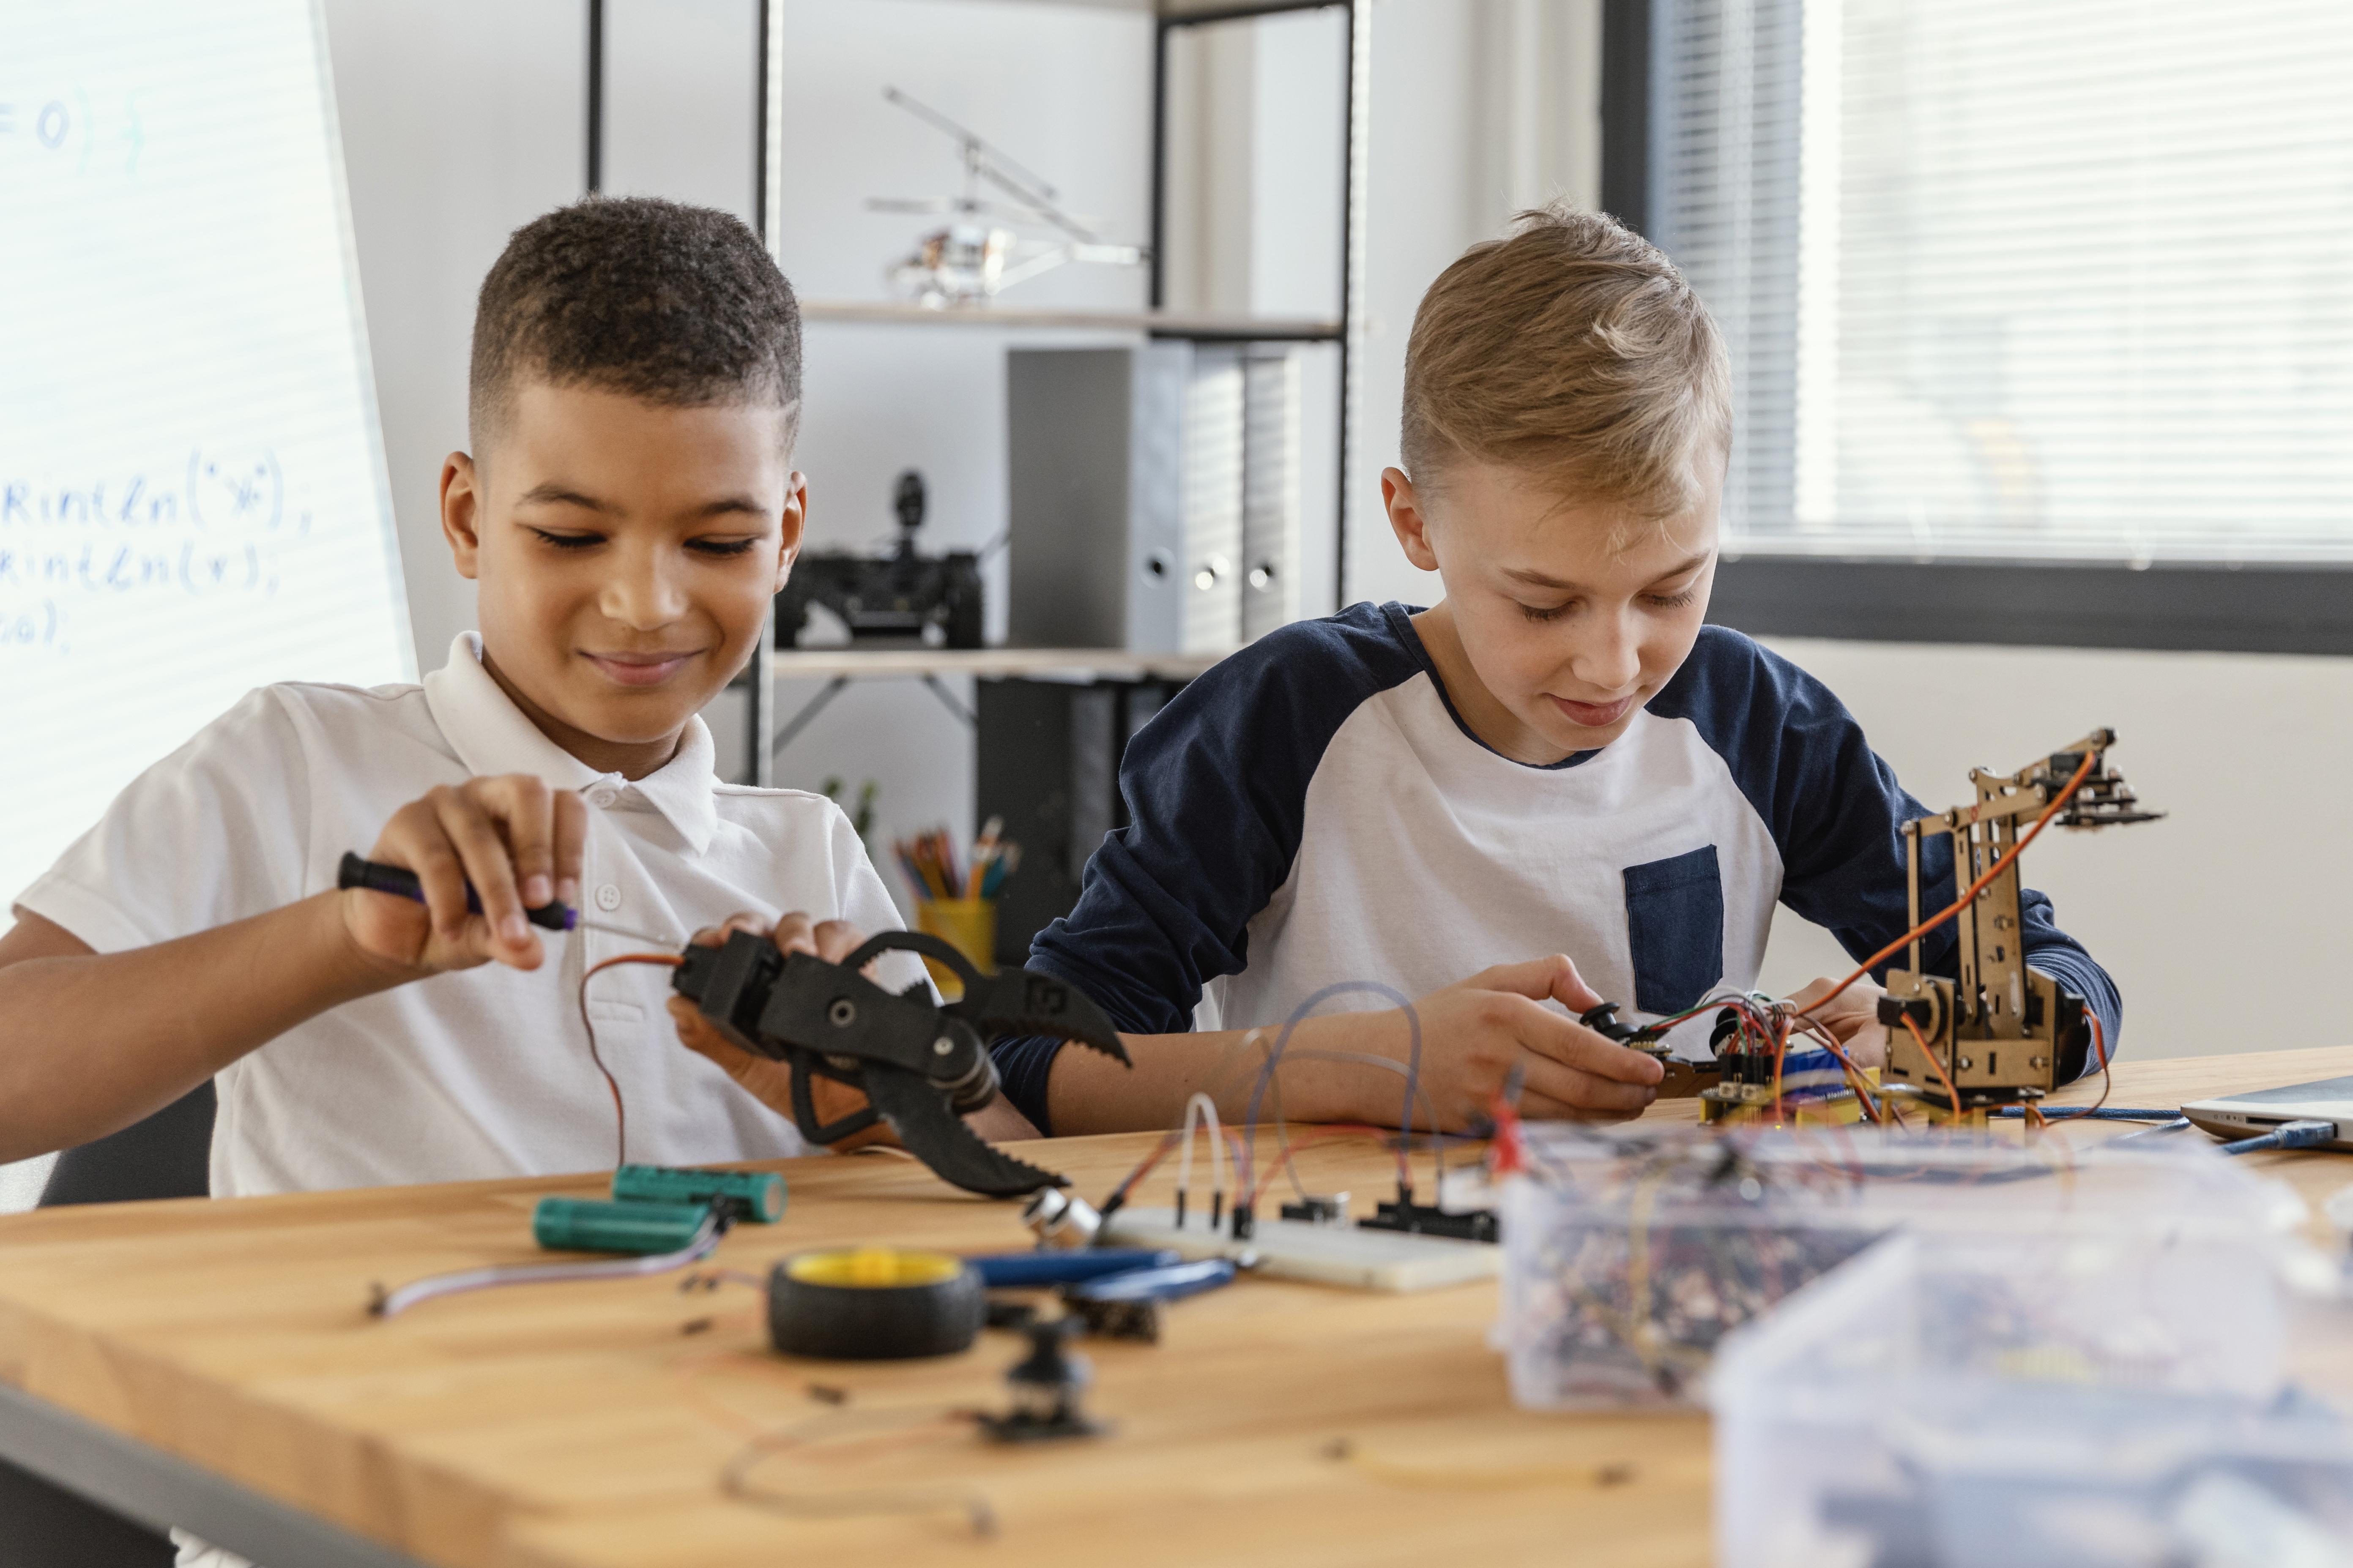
{"x":571,"y":826}
{"x":1574,"y":1046}
{"x":1537,"y":978}
{"x":480,"y":838}
{"x":527,"y":807}
{"x":837,"y":939}
{"x":795,"y":932}
{"x":447,"y":897}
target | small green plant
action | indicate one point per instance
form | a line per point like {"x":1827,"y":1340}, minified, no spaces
{"x":861,"y":818}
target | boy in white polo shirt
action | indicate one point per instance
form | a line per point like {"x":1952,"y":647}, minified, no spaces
{"x":629,"y":509}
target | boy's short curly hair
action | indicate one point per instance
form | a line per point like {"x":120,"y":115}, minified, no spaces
{"x":1572,"y":348}
{"x":674,"y":304}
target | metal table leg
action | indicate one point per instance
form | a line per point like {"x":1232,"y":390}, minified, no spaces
{"x":162,"y":1490}
{"x":809,"y":711}
{"x":948,"y":699}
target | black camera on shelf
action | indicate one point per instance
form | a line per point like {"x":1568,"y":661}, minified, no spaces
{"x":896,"y":595}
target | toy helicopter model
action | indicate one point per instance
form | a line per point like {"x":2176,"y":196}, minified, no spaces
{"x":976,"y":257}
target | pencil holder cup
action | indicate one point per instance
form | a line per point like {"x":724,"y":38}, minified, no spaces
{"x":968,"y":925}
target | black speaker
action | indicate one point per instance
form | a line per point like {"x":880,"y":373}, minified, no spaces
{"x":1047,"y":761}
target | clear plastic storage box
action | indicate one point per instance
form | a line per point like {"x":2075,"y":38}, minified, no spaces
{"x":2051,"y":1397}
{"x":1629,"y":1254}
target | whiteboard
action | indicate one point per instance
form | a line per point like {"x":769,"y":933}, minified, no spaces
{"x":193,"y":499}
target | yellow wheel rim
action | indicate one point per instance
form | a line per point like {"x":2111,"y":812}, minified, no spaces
{"x":873,"y":1268}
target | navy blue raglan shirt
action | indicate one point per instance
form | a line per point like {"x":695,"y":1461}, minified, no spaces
{"x":1313,"y":810}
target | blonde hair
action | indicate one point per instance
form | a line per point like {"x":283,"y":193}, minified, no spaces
{"x":1572,"y":349}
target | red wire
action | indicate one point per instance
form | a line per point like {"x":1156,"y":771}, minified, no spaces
{"x":612,"y":1084}
{"x":1860,"y":1084}
{"x":1149,"y":1160}
{"x":1510,"y":1149}
{"x":1996,"y":869}
{"x":1331,"y":1134}
{"x":1951,"y":1094}
{"x":1780,"y":1056}
{"x":2100,"y":1044}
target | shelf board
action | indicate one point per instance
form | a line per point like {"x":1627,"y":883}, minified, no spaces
{"x":1201,"y":10}
{"x":1153,"y":323}
{"x":1074,"y":663}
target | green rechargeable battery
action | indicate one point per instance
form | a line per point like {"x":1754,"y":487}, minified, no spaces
{"x":756,"y":1195}
{"x":583,"y":1225}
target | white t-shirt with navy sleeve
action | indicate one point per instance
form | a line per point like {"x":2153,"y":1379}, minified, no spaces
{"x":485,"y":1072}
{"x":1312,"y":812}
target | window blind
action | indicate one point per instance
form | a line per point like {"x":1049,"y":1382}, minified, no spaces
{"x":2022,"y":279}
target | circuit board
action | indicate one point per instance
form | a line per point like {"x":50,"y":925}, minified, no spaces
{"x":1327,"y":1254}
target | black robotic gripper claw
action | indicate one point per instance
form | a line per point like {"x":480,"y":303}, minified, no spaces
{"x":923,"y":1067}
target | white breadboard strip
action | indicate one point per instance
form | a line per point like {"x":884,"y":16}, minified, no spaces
{"x":1327,"y":1254}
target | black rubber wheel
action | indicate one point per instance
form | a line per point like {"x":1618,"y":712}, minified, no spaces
{"x":874,"y":1304}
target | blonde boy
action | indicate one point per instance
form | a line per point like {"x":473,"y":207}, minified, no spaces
{"x":1559,"y":760}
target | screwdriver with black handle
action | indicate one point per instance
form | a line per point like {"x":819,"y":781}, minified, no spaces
{"x":403,"y":883}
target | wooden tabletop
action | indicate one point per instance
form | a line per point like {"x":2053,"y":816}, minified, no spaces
{"x":586,"y":1426}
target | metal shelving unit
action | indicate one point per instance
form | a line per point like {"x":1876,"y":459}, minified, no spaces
{"x":1346,"y":332}
{"x":1151,"y":324}
{"x":1169,"y":17}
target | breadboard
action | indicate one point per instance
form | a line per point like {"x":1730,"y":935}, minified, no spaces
{"x":1327,"y":1254}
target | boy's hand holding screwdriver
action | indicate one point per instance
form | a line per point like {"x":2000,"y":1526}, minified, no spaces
{"x":512,"y":838}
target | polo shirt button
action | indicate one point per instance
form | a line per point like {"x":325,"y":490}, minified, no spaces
{"x":609,"y":897}
{"x":602,"y":795}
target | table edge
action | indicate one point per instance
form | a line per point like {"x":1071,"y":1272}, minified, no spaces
{"x":165,"y":1491}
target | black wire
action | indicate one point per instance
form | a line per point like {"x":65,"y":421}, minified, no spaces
{"x":735,"y":1480}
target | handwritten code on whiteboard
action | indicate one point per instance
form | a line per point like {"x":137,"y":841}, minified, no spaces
{"x":193,"y":499}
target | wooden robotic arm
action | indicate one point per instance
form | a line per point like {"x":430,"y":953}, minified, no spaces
{"x":1999,"y":1034}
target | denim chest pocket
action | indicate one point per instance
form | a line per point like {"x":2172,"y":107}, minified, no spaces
{"x":1674,"y":930}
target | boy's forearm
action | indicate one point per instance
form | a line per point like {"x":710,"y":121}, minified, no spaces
{"x":1089,"y":1092}
{"x":91,"y":1043}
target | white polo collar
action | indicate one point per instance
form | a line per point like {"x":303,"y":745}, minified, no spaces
{"x":491,"y":736}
